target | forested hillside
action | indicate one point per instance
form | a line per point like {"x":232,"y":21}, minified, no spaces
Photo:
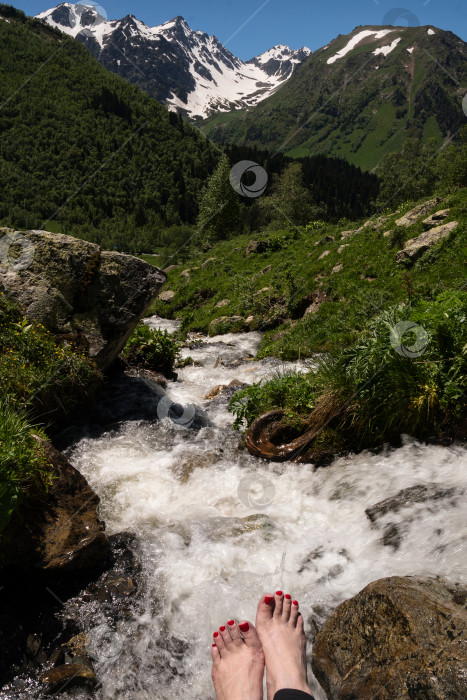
{"x":85,"y":151}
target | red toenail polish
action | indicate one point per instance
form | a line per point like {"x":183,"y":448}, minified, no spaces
{"x":213,"y":645}
{"x":244,"y":627}
{"x":222,"y":628}
{"x":295,"y":602}
{"x":268,"y":599}
{"x":231,"y":622}
{"x":216,"y":634}
{"x":287,"y":596}
{"x":278,"y":592}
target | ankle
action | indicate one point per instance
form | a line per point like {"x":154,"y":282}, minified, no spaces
{"x":286,"y":683}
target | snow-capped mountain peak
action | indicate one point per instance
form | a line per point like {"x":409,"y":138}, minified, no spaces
{"x":187,"y":70}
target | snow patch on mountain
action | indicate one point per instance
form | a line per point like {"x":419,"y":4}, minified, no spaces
{"x":430,"y":32}
{"x":187,"y":70}
{"x":385,"y":50}
{"x":357,"y":39}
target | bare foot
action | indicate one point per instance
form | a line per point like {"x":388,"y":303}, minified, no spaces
{"x":237,"y":662}
{"x":280,"y":629}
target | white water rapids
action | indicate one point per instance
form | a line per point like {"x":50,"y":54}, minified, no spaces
{"x":208,"y":552}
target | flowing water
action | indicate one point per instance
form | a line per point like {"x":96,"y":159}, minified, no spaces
{"x":216,"y":527}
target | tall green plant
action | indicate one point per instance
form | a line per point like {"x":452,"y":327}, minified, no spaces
{"x":219,"y":209}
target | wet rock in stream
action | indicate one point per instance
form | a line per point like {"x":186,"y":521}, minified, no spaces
{"x":48,"y":635}
{"x":428,"y":496}
{"x":401,"y":637}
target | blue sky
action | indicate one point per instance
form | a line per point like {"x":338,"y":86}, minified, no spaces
{"x":297,"y":23}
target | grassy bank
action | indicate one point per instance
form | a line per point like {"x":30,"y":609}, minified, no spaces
{"x":345,"y":280}
{"x":37,"y":374}
{"x":388,"y":383}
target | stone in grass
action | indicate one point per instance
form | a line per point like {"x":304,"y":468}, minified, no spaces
{"x":401,"y":637}
{"x":415,"y":247}
{"x":223,"y":302}
{"x":256,"y":247}
{"x":436,"y":218}
{"x":207,"y":262}
{"x":323,"y":254}
{"x":341,"y":247}
{"x":167,"y":295}
{"x":226,"y":324}
{"x":417,"y":212}
{"x":337,"y":268}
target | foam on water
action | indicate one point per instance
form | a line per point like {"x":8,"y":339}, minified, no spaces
{"x":208,"y":552}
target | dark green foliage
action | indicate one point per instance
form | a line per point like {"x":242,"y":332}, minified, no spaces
{"x":35,"y":370}
{"x":219,"y":208}
{"x":152,"y":348}
{"x":339,"y":188}
{"x":84,"y":152}
{"x":290,"y":202}
{"x":410,"y":174}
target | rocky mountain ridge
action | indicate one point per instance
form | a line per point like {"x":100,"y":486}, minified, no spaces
{"x":187,"y":70}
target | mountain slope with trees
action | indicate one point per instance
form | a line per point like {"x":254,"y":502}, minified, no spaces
{"x":362,"y":102}
{"x":83,"y":151}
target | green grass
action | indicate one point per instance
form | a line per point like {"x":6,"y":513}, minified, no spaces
{"x":37,"y":374}
{"x":376,"y":390}
{"x":23,"y":465}
{"x":369,"y":281}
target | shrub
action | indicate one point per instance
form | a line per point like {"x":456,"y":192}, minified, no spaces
{"x":152,"y":348}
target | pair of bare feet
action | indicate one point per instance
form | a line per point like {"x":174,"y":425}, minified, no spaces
{"x":241,"y":652}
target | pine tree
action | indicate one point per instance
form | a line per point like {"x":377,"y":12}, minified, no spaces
{"x":219,"y":209}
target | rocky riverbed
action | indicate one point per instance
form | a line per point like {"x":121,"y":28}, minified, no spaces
{"x":212,"y":527}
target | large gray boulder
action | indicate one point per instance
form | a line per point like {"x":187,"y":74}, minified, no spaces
{"x":417,"y":212}
{"x":401,"y":637}
{"x":415,"y":247}
{"x":75,"y":288}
